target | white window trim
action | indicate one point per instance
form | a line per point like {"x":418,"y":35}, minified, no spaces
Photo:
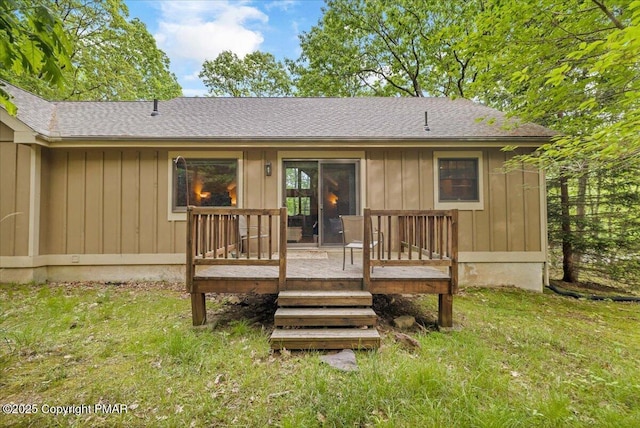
{"x":460,"y":205}
{"x":237,"y":155}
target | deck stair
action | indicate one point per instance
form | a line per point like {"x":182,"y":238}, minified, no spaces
{"x":325,"y":320}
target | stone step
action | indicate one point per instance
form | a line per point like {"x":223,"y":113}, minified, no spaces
{"x":325,"y":317}
{"x":325,"y":338}
{"x":319,"y":298}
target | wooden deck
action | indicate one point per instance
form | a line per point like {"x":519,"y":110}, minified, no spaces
{"x":320,"y":274}
{"x":244,"y":251}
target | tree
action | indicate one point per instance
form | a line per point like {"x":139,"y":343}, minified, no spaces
{"x":258,"y":74}
{"x":377,"y":47}
{"x":114,"y":58}
{"x":32,"y":42}
{"x":583,"y":82}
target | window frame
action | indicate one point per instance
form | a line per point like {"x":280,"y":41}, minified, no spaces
{"x":224,"y":155}
{"x":460,"y":205}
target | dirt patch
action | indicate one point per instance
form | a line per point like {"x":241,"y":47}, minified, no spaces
{"x":391,"y":306}
{"x":250,"y":308}
{"x":119,"y":285}
{"x":261,"y":308}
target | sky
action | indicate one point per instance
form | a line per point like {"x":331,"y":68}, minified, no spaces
{"x":190,"y":32}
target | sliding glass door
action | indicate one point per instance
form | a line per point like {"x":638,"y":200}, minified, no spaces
{"x":317,"y":193}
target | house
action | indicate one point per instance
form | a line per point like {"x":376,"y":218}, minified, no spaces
{"x":97,"y":190}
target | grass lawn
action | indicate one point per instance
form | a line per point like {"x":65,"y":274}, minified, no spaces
{"x":519,"y":359}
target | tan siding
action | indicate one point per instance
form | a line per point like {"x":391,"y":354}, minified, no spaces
{"x":465,"y":231}
{"x":15,"y":167}
{"x":130,"y":202}
{"x":112,"y":197}
{"x":261,"y":191}
{"x":115,"y":201}
{"x":23,"y":177}
{"x":426,"y":179}
{"x":179,"y":237}
{"x":6,"y":133}
{"x":515,"y":214}
{"x":254,"y":183}
{"x":94,"y":202}
{"x":148,"y":202}
{"x":411,"y":180}
{"x":482,"y":218}
{"x":56,"y":225}
{"x":271,"y":183}
{"x":532,"y":210}
{"x":497,"y":203}
{"x":393,"y":180}
{"x":76,"y":203}
{"x":166,"y":229}
{"x":482,"y":227}
{"x":45,"y":179}
{"x":510,"y":220}
{"x":375,"y":183}
{"x":8,"y":209}
{"x":107,"y":202}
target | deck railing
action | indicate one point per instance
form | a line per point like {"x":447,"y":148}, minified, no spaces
{"x":411,"y":238}
{"x":248,"y":237}
{"x":234,"y":236}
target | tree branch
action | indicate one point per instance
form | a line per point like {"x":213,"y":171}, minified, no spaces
{"x":609,"y":14}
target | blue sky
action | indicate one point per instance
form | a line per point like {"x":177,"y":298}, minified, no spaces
{"x":190,"y":32}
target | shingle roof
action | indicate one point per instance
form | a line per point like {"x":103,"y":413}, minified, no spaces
{"x":371,"y":118}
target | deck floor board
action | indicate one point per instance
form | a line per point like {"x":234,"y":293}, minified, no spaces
{"x":326,"y":269}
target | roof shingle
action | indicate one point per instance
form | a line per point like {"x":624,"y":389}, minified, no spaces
{"x":363,"y":118}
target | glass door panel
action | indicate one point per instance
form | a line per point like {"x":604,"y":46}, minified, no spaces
{"x":301,"y":200}
{"x":338,"y":196}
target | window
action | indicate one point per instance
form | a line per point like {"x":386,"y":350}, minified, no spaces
{"x":202,"y":181}
{"x":458,"y":178}
{"x":298,"y":186}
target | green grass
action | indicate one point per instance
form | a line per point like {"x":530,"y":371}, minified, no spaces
{"x":519,"y":359}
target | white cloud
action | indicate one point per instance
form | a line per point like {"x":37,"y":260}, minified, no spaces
{"x":191,"y":77}
{"x":195,"y":31}
{"x":281,"y":4}
{"x":194,"y":92}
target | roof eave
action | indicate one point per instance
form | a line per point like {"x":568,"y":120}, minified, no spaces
{"x":329,"y":141}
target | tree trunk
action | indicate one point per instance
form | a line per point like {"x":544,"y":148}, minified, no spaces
{"x":568,"y":268}
{"x":580,"y":223}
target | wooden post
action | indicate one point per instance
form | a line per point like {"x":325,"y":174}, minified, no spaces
{"x":366,"y":250}
{"x":282,"y":249}
{"x":454,"y":251}
{"x":190,"y":249}
{"x":445,"y":301}
{"x":198,"y":308}
{"x":445,"y":310}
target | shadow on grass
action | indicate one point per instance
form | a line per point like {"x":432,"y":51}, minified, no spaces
{"x":260,"y":309}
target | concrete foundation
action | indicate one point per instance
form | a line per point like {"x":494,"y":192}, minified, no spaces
{"x":528,"y":276}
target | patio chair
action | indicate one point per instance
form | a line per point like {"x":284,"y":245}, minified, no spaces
{"x":353,"y":235}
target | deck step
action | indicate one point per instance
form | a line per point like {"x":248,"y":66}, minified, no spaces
{"x":325,"y":338}
{"x":327,"y":317}
{"x":319,"y":298}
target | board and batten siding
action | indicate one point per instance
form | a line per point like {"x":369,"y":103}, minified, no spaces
{"x":510,"y":220}
{"x":114,"y":201}
{"x":15,"y":184}
{"x":107,"y":202}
